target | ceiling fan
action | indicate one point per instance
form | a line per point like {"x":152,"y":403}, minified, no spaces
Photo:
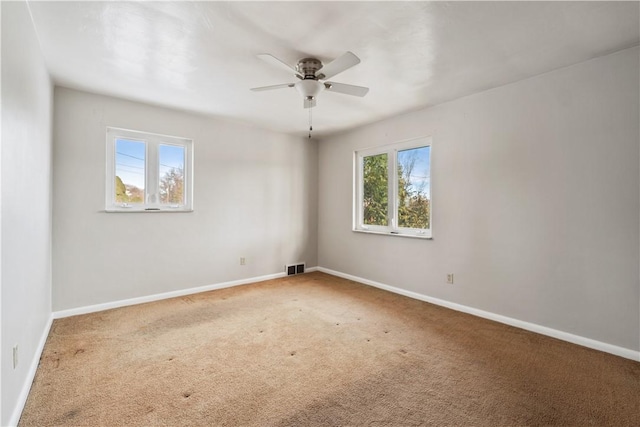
{"x":312,"y":76}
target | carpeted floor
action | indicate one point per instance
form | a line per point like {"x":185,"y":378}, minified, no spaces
{"x":316,"y":350}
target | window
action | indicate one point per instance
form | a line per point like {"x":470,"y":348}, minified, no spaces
{"x":148,"y":172}
{"x":393,"y":189}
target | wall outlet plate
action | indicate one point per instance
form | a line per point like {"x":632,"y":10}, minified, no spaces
{"x":450,"y":278}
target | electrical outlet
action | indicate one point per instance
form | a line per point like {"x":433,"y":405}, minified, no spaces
{"x":243,"y":261}
{"x":450,"y":278}
{"x":15,"y":356}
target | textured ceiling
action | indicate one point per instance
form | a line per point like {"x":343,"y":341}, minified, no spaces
{"x":201,"y":56}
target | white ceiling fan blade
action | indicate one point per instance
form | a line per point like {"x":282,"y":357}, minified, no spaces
{"x":270,"y":59}
{"x":338,"y":65}
{"x":258,"y":89}
{"x":309,"y":103}
{"x":346,"y":89}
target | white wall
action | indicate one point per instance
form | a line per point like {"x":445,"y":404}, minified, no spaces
{"x":25,"y":204}
{"x":535,"y":202}
{"x":255,"y":196}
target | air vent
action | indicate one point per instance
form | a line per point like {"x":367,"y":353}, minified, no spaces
{"x":293,"y":269}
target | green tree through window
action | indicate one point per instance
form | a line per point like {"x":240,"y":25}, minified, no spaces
{"x":121,"y":191}
{"x":375,"y":183}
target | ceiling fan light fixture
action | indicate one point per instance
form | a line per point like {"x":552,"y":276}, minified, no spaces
{"x":309,"y":88}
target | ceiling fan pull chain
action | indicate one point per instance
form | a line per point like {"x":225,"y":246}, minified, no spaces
{"x":310,"y":123}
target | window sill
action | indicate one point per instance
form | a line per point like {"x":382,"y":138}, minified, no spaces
{"x":388,"y":233}
{"x":129,"y":210}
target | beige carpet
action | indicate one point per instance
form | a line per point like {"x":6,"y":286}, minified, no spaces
{"x":316,"y":350}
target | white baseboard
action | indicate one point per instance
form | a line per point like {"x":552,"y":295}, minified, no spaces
{"x":165,"y":295}
{"x":173,"y":294}
{"x":33,"y":367}
{"x":543,"y":330}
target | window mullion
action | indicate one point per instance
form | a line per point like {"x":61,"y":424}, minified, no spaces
{"x":186,"y":186}
{"x":360,"y":191}
{"x":391,"y":192}
{"x":111,"y":170}
{"x":151,"y":185}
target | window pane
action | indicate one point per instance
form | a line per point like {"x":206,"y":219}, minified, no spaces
{"x":130,"y":171}
{"x":375,"y":188}
{"x":171,"y":158}
{"x":414,"y":190}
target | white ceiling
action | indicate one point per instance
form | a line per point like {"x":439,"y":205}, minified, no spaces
{"x":201,"y":56}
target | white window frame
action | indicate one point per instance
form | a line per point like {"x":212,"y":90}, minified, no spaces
{"x":152,"y":174}
{"x":391,"y":229}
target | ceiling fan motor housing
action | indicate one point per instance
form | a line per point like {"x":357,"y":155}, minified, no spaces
{"x":308,"y":67}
